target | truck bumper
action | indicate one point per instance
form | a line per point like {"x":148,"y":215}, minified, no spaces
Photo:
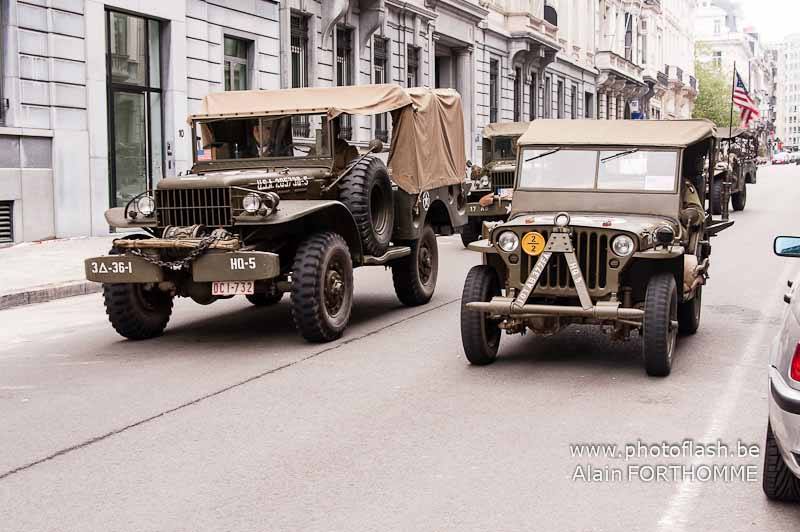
{"x":503,"y":306}
{"x":497,"y":208}
{"x":213,"y":266}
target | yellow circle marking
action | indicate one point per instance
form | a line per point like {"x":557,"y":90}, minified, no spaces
{"x":533,"y":243}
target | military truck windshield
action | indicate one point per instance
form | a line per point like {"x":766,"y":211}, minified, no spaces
{"x":504,"y":148}
{"x":630,"y":169}
{"x":262,"y":138}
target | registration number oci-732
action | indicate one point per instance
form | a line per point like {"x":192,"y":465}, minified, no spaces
{"x":232,"y":288}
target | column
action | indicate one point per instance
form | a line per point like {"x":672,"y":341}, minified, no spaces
{"x":620,"y":107}
{"x":464,"y":85}
{"x":601,"y":115}
{"x":612,"y":112}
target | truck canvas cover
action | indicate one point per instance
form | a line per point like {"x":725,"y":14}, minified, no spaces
{"x":655,"y":133}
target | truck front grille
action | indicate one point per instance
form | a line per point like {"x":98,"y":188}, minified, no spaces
{"x":502,"y":180}
{"x":184,"y":207}
{"x":591,"y":249}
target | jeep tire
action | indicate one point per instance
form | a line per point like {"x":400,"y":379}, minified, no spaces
{"x":778,"y":481}
{"x":322,"y":287}
{"x":715,"y":197}
{"x":689,"y":313}
{"x":739,"y":199}
{"x":471,"y":231}
{"x":415,"y":275}
{"x":480,"y":336}
{"x":660,"y":327}
{"x":367,"y":192}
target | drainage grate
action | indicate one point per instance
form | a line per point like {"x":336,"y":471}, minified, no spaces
{"x":6,"y":221}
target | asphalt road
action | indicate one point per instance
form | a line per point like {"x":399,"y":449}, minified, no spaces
{"x":231,"y":422}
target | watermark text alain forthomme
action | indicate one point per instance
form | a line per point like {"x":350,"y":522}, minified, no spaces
{"x":684,"y":461}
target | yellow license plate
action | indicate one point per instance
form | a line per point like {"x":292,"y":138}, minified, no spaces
{"x":533,"y":243}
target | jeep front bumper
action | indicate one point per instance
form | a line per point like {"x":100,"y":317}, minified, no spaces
{"x":504,"y":306}
{"x":215,"y":265}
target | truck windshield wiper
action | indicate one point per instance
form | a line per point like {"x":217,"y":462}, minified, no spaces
{"x":542,"y":155}
{"x":620,"y":154}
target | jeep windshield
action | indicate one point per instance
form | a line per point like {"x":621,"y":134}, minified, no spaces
{"x":624,"y":169}
{"x":274,"y":137}
{"x":504,"y":148}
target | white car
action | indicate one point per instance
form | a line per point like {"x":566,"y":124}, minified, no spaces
{"x":781,"y":476}
{"x":780,"y":158}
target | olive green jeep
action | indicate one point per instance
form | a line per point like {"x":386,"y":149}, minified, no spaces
{"x":492,"y":184}
{"x":609,"y":226}
{"x":736,"y":167}
{"x":278,"y":201}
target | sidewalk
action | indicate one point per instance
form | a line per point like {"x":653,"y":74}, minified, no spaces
{"x":34,"y":272}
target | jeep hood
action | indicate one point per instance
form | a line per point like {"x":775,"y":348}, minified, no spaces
{"x":631,"y":223}
{"x":243,"y":177}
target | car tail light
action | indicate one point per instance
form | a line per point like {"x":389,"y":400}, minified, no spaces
{"x":794,"y":370}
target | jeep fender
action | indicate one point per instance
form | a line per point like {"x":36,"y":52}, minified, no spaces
{"x":305,"y":217}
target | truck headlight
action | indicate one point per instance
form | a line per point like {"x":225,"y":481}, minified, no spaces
{"x":622,"y":246}
{"x":146,"y":205}
{"x":508,"y":241}
{"x":251,"y":203}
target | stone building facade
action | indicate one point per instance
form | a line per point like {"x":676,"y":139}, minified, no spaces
{"x":96,"y":92}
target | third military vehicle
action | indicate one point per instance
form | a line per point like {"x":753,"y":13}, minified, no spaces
{"x":736,"y":167}
{"x":492,"y":184}
{"x":608,"y":227}
{"x":279,"y":201}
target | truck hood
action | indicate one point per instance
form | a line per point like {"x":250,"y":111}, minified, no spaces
{"x":631,"y":223}
{"x":243,"y":177}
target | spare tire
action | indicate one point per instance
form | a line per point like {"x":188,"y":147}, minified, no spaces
{"x":366,"y":191}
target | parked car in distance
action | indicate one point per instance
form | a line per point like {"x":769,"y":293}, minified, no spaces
{"x":781,"y":475}
{"x":780,"y":158}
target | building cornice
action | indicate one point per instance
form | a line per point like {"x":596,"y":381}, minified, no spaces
{"x":417,"y":9}
{"x":470,"y":10}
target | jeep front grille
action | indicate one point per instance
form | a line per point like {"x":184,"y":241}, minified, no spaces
{"x":502,"y":179}
{"x":592,"y":251}
{"x":184,"y":207}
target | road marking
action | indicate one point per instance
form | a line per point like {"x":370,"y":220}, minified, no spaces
{"x":682,"y":503}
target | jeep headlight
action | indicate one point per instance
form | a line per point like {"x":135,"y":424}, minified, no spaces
{"x":622,"y":245}
{"x":508,"y":241}
{"x":251,"y":203}
{"x":146,"y":205}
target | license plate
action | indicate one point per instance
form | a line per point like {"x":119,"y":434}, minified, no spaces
{"x":232,"y":288}
{"x":505,"y":192}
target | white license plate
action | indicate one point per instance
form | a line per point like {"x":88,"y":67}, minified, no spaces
{"x":505,"y":192}
{"x":232,"y":288}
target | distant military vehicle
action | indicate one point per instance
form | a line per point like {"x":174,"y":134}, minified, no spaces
{"x":736,"y":167}
{"x":278,"y":201}
{"x":608,"y":227}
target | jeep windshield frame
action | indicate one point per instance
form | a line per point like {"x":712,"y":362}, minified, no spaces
{"x":598,"y":169}
{"x":253,"y":153}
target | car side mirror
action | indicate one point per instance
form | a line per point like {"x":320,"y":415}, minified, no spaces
{"x":375,"y":146}
{"x":787,"y":246}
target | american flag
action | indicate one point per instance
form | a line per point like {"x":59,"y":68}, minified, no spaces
{"x":748,"y":108}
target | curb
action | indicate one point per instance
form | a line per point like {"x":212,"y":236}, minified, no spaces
{"x":48,"y":292}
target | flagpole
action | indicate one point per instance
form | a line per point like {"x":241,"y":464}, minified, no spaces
{"x":725,"y":185}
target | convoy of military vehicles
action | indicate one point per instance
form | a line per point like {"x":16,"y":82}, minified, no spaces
{"x":606,"y":223}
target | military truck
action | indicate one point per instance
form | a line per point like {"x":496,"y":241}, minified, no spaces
{"x":736,"y":167}
{"x":608,"y":227}
{"x":278,"y":201}
{"x":491,"y":185}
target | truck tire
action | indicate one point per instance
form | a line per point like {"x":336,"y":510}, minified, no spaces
{"x":480,"y":336}
{"x":716,"y":197}
{"x":367,"y":192}
{"x":135,"y":312}
{"x":471,"y":232}
{"x":777,"y":480}
{"x":659,"y":333}
{"x":739,"y":200}
{"x":414,"y":276}
{"x":689,"y":313}
{"x":322,"y":287}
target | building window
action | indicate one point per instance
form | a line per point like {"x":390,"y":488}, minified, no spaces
{"x":588,"y":104}
{"x":533,"y":99}
{"x":412,"y":66}
{"x":379,"y":58}
{"x":135,"y":133}
{"x":235,"y":67}
{"x":560,"y":99}
{"x":716,"y":58}
{"x":717,"y":27}
{"x":494,"y":89}
{"x":299,"y":51}
{"x":344,"y":72}
{"x":573,"y":102}
{"x":547,"y":104}
{"x":517,"y":94}
{"x":628,"y":36}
